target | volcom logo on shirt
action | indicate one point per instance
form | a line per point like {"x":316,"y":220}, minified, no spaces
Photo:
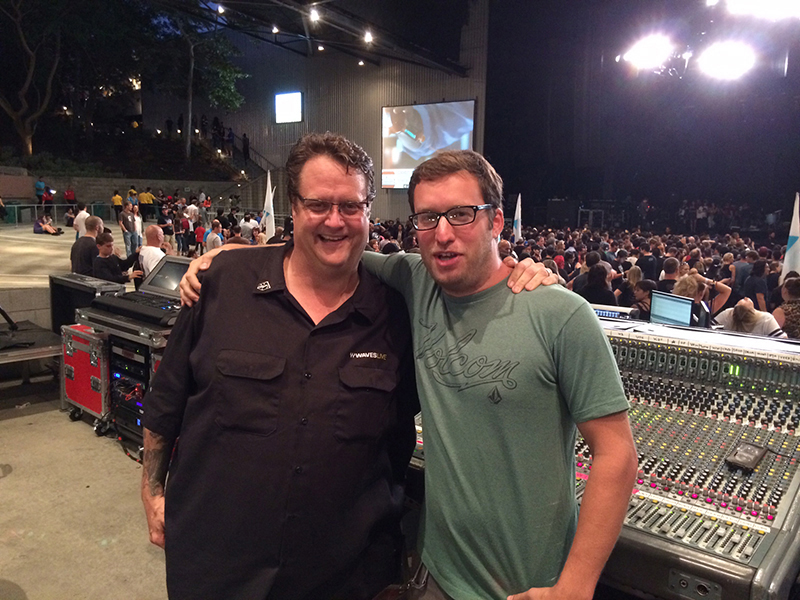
{"x":374,"y":355}
{"x":455,"y":368}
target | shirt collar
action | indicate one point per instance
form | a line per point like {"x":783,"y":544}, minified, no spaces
{"x":271,"y":279}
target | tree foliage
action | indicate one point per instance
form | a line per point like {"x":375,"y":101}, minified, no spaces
{"x":89,"y":55}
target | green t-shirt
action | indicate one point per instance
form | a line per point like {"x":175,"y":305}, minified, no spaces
{"x":502,"y":380}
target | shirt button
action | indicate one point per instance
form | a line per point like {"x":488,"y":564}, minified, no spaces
{"x":307,"y":375}
{"x":303,"y":421}
{"x":298,"y":470}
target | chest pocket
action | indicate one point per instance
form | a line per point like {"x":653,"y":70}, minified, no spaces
{"x":365,"y":406}
{"x":247,"y":391}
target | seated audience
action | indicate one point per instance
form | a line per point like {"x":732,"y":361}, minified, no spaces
{"x":787,"y":315}
{"x":642,"y":293}
{"x":596,"y":289}
{"x":743,"y":317}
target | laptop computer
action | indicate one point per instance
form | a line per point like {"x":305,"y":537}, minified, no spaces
{"x":158,"y":299}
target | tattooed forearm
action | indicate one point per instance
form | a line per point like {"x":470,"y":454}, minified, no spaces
{"x":157,"y":453}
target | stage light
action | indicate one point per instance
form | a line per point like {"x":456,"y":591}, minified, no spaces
{"x":368,"y":37}
{"x":727,"y":60}
{"x":274,"y":29}
{"x":650,"y":52}
{"x":158,"y":131}
{"x":220,"y":9}
{"x":314,"y":14}
{"x":320,"y":47}
{"x":361,"y":63}
{"x":772,"y":10}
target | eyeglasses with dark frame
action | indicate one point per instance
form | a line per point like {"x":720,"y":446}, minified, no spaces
{"x":323,"y":207}
{"x":456,"y":216}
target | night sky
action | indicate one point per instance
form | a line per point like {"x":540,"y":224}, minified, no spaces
{"x":564,"y":119}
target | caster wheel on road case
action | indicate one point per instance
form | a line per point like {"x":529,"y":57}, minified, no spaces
{"x":75,"y":414}
{"x":100,"y":428}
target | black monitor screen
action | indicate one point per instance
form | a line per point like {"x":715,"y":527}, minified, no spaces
{"x":669,"y":309}
{"x":167,"y":276}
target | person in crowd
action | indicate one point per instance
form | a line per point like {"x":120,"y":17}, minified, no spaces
{"x":505,"y":249}
{"x":642,"y":293}
{"x":596,"y":289}
{"x":47,"y":201}
{"x":456,"y":289}
{"x":727,"y":272}
{"x":165,"y":223}
{"x":40,"y":188}
{"x":214,"y":238}
{"x":199,"y":238}
{"x":127,"y":224}
{"x":136,"y":240}
{"x":69,"y":196}
{"x":236,"y":236}
{"x":151,"y":253}
{"x":116,"y":202}
{"x":246,"y":225}
{"x":79,"y":222}
{"x":787,"y":315}
{"x":592,"y":258}
{"x":755,"y":286}
{"x":146,"y":199}
{"x":625,"y":292}
{"x":699,"y":289}
{"x":647,"y":262}
{"x":745,"y":318}
{"x":84,"y":249}
{"x":133,"y":196}
{"x":109,"y":266}
{"x":742,"y":269}
{"x":44,"y":224}
{"x":667,"y":282}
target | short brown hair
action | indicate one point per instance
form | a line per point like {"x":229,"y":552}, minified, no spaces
{"x":792,"y":285}
{"x":104,"y":238}
{"x":339,"y":148}
{"x":93,"y":223}
{"x":453,"y":161}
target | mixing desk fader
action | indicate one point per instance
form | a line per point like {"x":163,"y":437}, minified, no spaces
{"x":715,"y":509}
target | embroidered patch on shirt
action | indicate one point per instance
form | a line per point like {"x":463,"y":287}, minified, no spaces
{"x":264,"y":285}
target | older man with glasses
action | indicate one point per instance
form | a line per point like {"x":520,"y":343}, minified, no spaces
{"x":296,"y":418}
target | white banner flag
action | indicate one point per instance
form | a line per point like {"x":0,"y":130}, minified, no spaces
{"x":268,"y":218}
{"x":518,"y":220}
{"x":791,"y":262}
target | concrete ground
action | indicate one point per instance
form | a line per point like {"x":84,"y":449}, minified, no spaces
{"x":72,"y":523}
{"x":27,"y":259}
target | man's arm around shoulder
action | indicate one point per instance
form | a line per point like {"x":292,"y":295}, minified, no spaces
{"x":603,"y":508}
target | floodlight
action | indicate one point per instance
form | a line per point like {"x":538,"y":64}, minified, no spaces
{"x":314,"y":14}
{"x":368,"y":37}
{"x":220,"y":9}
{"x":773,"y":10}
{"x":650,"y":52}
{"x":727,"y":60}
{"x":361,"y":63}
{"x":320,"y":47}
{"x":274,"y":29}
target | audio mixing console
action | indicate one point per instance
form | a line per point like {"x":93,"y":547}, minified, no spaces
{"x":715,"y":510}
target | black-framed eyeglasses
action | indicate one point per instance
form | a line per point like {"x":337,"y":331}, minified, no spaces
{"x":323,"y":207}
{"x":456,"y":216}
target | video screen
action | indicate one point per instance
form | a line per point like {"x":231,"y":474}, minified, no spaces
{"x":167,"y":276}
{"x":412,"y":134}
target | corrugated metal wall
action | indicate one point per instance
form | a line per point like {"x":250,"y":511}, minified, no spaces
{"x":341,"y":96}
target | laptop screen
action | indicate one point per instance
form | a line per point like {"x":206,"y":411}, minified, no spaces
{"x":166,"y":276}
{"x":669,"y":309}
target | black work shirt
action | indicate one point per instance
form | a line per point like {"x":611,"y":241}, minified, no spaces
{"x":294,"y":438}
{"x":82,"y":255}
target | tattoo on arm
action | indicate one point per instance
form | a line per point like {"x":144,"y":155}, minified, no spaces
{"x":157,"y":454}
